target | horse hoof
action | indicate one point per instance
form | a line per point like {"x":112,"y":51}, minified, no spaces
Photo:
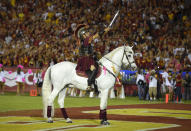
{"x":68,"y":120}
{"x":51,"y":121}
{"x":105,"y":122}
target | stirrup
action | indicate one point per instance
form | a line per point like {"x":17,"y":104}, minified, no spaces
{"x":89,"y":88}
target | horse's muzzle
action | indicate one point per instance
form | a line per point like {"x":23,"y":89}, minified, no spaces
{"x":133,"y":67}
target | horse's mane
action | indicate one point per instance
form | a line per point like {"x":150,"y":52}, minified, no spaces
{"x":110,"y":54}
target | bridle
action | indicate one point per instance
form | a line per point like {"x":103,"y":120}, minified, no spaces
{"x":127,"y":57}
{"x":124,"y":54}
{"x":111,"y":72}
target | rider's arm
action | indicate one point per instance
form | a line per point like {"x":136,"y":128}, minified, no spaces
{"x":99,"y":34}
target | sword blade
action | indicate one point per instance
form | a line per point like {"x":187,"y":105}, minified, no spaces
{"x":114,"y":18}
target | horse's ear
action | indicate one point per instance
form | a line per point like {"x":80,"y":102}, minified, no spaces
{"x":133,"y":44}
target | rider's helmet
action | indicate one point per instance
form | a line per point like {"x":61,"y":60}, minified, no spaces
{"x":80,"y":31}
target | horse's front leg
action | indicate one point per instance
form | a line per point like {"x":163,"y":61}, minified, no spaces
{"x":61,"y":98}
{"x":103,"y":107}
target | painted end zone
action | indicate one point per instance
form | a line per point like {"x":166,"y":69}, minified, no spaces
{"x":179,"y":114}
{"x":39,"y":124}
{"x":162,"y":117}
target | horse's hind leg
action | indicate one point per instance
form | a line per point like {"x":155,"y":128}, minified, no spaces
{"x":61,"y":98}
{"x":50,"y":108}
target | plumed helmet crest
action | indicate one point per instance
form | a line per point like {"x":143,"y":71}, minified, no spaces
{"x":80,"y":30}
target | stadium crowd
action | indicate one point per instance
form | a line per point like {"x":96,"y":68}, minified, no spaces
{"x":35,"y":33}
{"x":40,"y":32}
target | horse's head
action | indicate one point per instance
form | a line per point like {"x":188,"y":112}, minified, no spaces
{"x":127,"y":60}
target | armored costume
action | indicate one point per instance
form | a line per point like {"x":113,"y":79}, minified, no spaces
{"x":87,"y":57}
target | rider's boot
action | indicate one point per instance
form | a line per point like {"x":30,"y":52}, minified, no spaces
{"x":91,"y":80}
{"x":96,"y":89}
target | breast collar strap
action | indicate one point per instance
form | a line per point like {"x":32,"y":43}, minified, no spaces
{"x":108,"y":71}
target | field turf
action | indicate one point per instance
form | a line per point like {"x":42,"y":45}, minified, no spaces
{"x":11,"y":102}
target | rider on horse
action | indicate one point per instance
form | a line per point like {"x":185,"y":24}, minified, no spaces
{"x":87,"y":61}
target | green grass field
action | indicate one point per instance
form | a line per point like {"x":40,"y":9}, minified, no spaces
{"x":11,"y":102}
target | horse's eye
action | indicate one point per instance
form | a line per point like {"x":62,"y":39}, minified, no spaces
{"x":130,"y":52}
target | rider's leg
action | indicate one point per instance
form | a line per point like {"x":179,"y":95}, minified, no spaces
{"x":96,"y":89}
{"x":89,"y":72}
{"x":91,"y":79}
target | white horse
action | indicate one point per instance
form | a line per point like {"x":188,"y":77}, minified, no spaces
{"x":59,"y":76}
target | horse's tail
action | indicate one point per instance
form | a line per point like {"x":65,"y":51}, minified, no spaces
{"x":46,"y":91}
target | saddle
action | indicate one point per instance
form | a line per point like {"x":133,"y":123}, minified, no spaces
{"x":83,"y":74}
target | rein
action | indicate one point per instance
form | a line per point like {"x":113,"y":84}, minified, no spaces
{"x":124,"y":53}
{"x":111,"y":61}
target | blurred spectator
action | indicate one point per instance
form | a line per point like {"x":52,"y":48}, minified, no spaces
{"x":30,"y":28}
{"x":20,"y":79}
{"x":38,"y":81}
{"x":172,"y":81}
{"x":187,"y":86}
{"x":2,"y":79}
{"x":152,"y":85}
{"x":140,"y":84}
{"x":186,"y":64}
{"x":167,"y":86}
{"x":178,"y":94}
{"x":147,"y":75}
{"x":159,"y":82}
{"x":178,"y":66}
{"x":189,"y":55}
